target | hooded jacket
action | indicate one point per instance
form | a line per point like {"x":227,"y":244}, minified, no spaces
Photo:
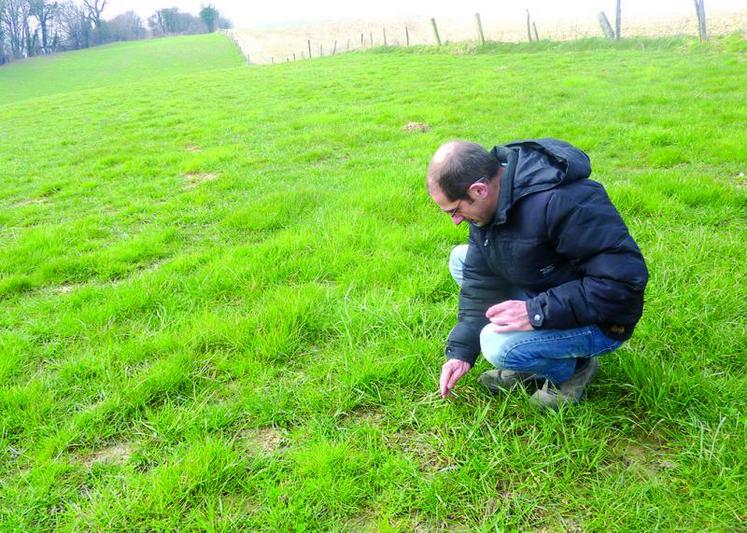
{"x":557,"y":237}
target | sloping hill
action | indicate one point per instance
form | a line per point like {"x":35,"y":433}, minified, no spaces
{"x":224,"y":296}
{"x":116,"y":64}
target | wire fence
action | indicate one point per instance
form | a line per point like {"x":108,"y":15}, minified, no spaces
{"x":278,"y":45}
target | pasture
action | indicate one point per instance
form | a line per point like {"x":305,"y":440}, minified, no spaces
{"x":224,"y":293}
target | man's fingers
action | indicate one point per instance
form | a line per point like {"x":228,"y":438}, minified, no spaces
{"x":505,"y":328}
{"x":455,"y":376}
{"x":497,"y":308}
{"x":445,"y":375}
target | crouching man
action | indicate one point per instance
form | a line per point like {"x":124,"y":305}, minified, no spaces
{"x":550,"y":280}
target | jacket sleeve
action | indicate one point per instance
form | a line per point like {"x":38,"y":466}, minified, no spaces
{"x":591,"y":234}
{"x":481,"y":288}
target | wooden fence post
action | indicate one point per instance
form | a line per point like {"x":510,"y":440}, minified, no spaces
{"x":529,"y":27}
{"x":294,"y":56}
{"x":384,"y":36}
{"x":617,"y":21}
{"x":480,"y":34}
{"x":370,"y":34}
{"x":309,"y":43}
{"x":321,"y":50}
{"x":335,"y":48}
{"x":435,"y":31}
{"x":700,"y":12}
{"x":407,"y":36}
{"x":605,"y":24}
{"x":362,"y":43}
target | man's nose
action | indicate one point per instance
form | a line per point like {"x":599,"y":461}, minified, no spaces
{"x":457,"y":219}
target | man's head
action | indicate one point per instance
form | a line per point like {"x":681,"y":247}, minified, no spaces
{"x":463,"y":181}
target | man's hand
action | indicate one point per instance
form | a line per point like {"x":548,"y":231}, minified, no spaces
{"x":451,"y":372}
{"x":510,"y":315}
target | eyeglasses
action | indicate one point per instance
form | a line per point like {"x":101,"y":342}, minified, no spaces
{"x":452,"y":213}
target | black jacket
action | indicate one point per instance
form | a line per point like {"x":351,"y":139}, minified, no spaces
{"x":556,"y":236}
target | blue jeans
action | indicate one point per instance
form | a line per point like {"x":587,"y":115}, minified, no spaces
{"x":549,"y":353}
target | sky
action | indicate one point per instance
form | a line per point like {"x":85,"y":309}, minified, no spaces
{"x":246,"y":14}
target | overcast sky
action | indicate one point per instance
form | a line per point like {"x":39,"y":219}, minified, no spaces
{"x":245,"y":14}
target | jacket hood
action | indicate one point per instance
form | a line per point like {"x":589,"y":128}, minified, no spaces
{"x":536,"y":165}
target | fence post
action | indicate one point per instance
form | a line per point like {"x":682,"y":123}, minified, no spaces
{"x":309,"y":43}
{"x":321,"y":50}
{"x":370,"y":35}
{"x":384,"y":36}
{"x":407,"y":36}
{"x":480,"y":34}
{"x":435,"y":31}
{"x":362,"y":43}
{"x":529,"y":27}
{"x":605,"y":24}
{"x":335,"y":48}
{"x":294,"y":56}
{"x":700,"y":12}
{"x":617,"y":21}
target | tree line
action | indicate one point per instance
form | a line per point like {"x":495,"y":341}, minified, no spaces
{"x":39,"y":27}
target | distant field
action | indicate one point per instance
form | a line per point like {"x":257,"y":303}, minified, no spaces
{"x":115,"y":64}
{"x":224,"y":292}
{"x":280,"y":44}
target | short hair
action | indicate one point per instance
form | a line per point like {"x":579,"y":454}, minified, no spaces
{"x":458,"y":164}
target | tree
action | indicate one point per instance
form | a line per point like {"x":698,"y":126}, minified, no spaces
{"x":14,"y":18}
{"x":171,"y":21}
{"x":75,"y":26}
{"x":3,"y":57}
{"x":156,"y":23}
{"x":224,"y":23}
{"x":94,"y":8}
{"x":126,"y":27}
{"x":210,"y":17}
{"x":44,"y":11}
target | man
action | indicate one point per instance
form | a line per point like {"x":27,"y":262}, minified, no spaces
{"x":550,"y":279}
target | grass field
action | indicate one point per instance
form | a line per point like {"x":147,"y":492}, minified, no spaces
{"x":224,"y":293}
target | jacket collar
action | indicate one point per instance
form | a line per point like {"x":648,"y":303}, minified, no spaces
{"x":506,"y":192}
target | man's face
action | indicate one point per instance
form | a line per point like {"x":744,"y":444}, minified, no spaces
{"x":477,"y":208}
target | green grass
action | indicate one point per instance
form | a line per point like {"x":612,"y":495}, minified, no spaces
{"x":224,"y":294}
{"x":116,"y":64}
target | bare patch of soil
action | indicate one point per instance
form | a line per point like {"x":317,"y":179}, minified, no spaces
{"x":646,"y":459}
{"x":31,"y":201}
{"x":415,"y":445}
{"x":193,"y":180}
{"x":267,"y":439}
{"x":416,"y":126}
{"x":116,"y":453}
{"x":192,"y":148}
{"x":66,"y":288}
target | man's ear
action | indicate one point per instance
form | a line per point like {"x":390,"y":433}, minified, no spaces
{"x":480,"y":189}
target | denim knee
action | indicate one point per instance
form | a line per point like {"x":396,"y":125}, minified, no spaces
{"x":456,"y":263}
{"x":496,"y":346}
